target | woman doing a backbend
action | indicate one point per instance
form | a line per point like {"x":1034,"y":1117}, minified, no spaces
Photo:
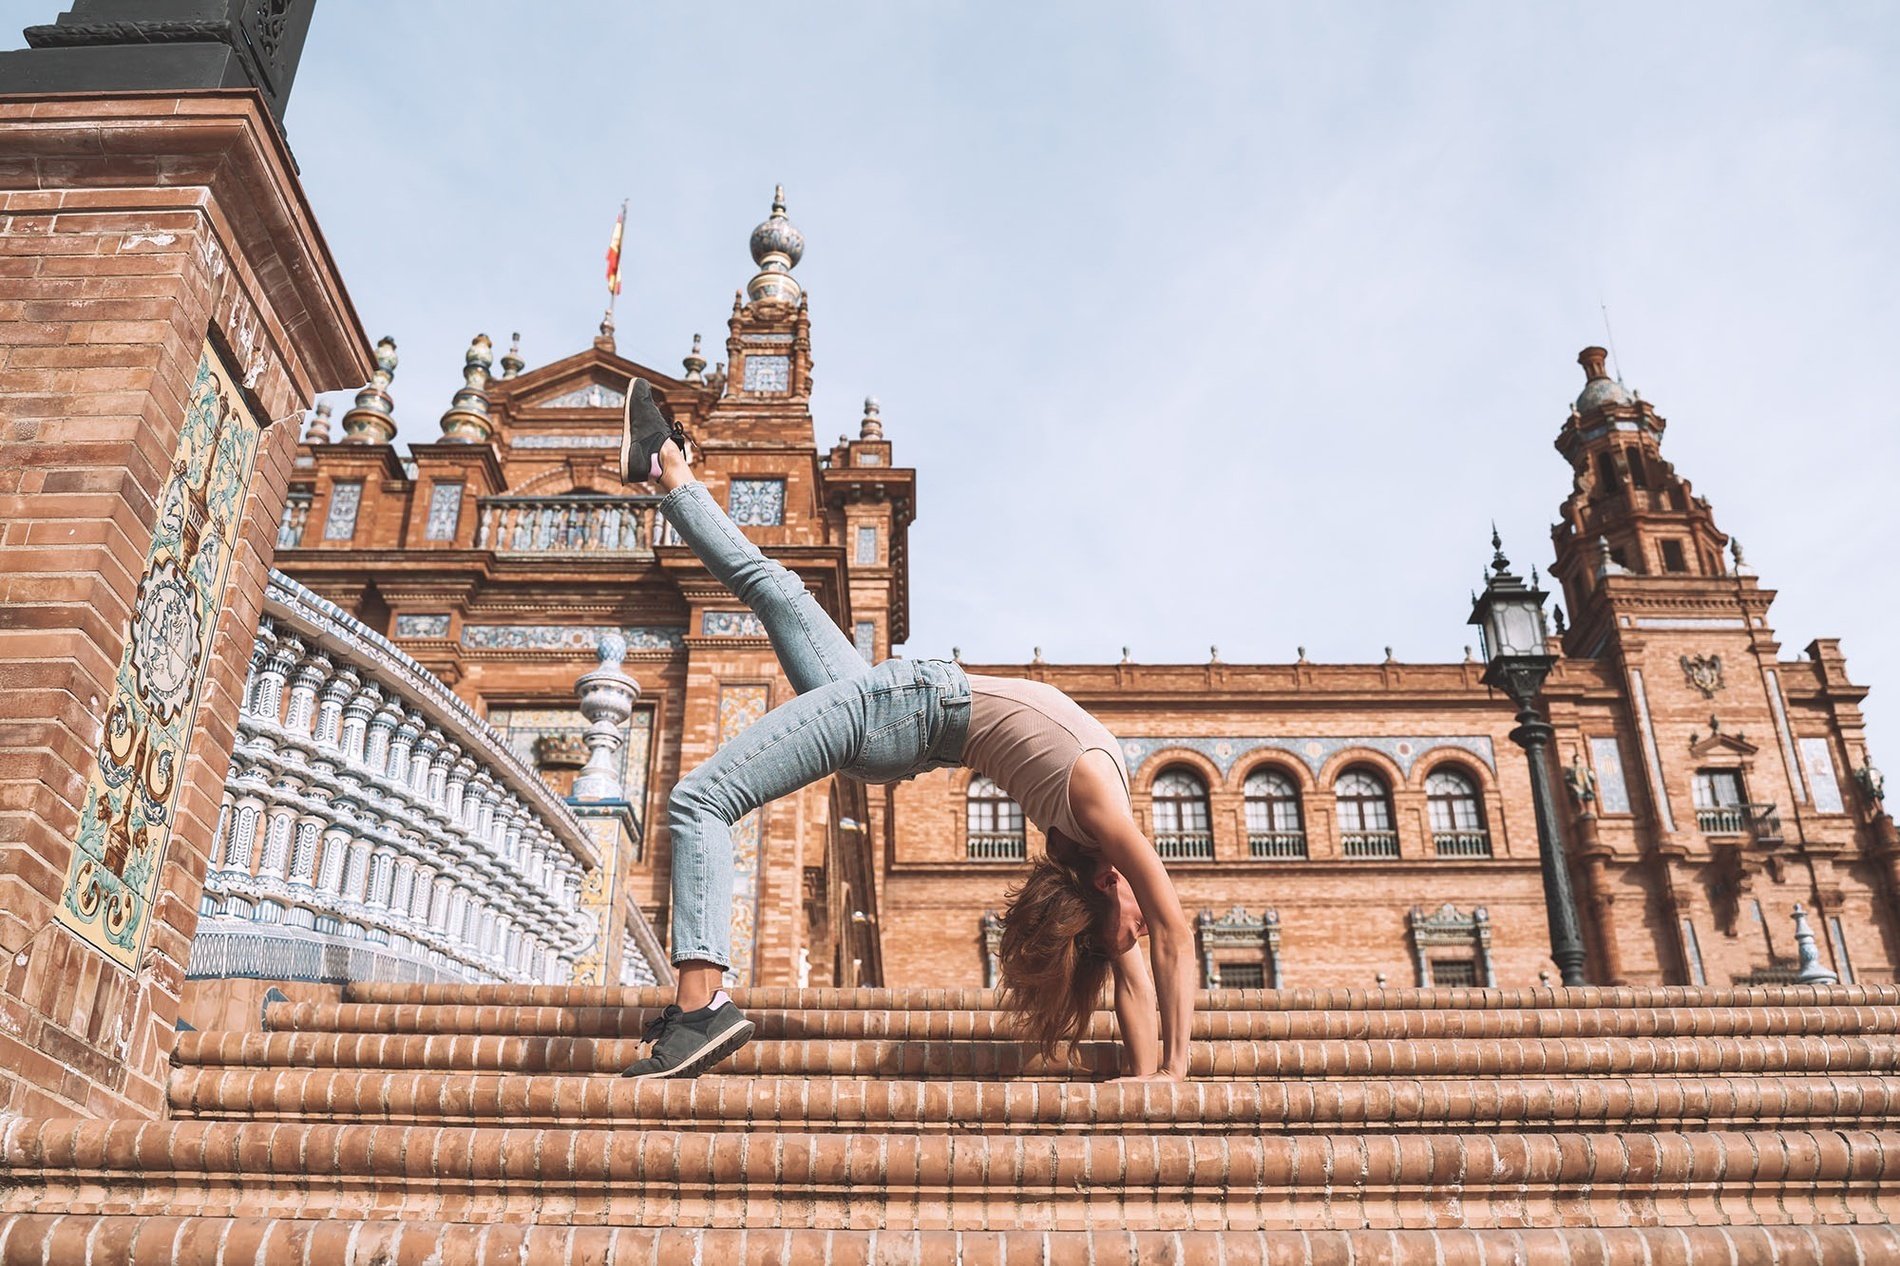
{"x":1073,"y":922}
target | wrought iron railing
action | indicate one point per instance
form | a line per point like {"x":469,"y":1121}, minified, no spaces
{"x":995,"y":846}
{"x":570,"y":525}
{"x":1462,"y":843}
{"x":1369,"y":843}
{"x":1761,"y":822}
{"x":1277,"y":844}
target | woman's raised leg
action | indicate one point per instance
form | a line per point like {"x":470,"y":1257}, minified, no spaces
{"x":811,"y":649}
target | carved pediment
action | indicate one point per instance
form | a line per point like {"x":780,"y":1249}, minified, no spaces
{"x":595,"y":379}
{"x":1722,"y":742}
{"x":587,"y":395}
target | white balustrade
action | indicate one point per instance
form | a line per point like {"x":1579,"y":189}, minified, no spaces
{"x":373,"y":825}
{"x":567,"y":524}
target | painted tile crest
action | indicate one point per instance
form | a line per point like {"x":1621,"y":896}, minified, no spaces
{"x":132,"y":796}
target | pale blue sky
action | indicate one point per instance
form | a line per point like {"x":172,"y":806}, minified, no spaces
{"x":1230,"y":324}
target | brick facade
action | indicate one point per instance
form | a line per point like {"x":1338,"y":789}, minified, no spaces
{"x":505,"y":589}
{"x":144,"y":238}
{"x":1667,"y":669}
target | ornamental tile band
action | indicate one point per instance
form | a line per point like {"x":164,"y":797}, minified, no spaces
{"x":740,"y":707}
{"x":731,"y":624}
{"x":132,"y":795}
{"x":592,"y":396}
{"x":435,"y":625}
{"x":564,"y":441}
{"x":566,"y":637}
{"x":1314,"y":752}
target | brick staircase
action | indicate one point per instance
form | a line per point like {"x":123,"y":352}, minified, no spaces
{"x":442,"y":1124}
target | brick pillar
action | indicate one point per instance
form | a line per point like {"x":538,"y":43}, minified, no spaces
{"x":167,"y":309}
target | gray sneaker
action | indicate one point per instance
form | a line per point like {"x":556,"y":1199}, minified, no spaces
{"x":645,"y":425}
{"x":687,"y":1043}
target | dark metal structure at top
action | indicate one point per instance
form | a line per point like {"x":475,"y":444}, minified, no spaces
{"x":159,"y":45}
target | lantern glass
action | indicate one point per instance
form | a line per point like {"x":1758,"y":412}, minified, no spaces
{"x":1512,"y":623}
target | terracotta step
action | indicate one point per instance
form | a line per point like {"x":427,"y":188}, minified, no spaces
{"x":1196,"y":1107}
{"x":771,"y":998}
{"x":1440,"y":1057}
{"x":661,"y":1178}
{"x":38,"y":1239}
{"x":547,"y":1021}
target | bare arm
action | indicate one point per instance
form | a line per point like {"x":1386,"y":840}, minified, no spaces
{"x":1135,"y":1013}
{"x":1100,"y":804}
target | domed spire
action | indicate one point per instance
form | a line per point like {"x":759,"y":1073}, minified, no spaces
{"x":776,"y":248}
{"x":695,"y":365}
{"x":512,"y":364}
{"x":467,"y":421}
{"x":372,"y":419}
{"x":872,"y":428}
{"x":318,"y":431}
{"x":1598,"y":387}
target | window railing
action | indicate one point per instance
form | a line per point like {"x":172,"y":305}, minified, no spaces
{"x":1760,"y":821}
{"x":1286,"y":844}
{"x":1462,"y":843}
{"x":995,"y":846}
{"x":1185,"y":846}
{"x":568,"y":525}
{"x":1369,"y":843}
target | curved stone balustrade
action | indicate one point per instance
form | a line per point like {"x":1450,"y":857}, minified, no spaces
{"x":567,"y":524}
{"x":375,"y":828}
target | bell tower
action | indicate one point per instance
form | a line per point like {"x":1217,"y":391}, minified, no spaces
{"x":1725,"y":820}
{"x":1629,"y":512}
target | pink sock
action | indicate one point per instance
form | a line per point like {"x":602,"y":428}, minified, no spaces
{"x":654,"y":473}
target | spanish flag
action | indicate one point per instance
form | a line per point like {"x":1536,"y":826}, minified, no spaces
{"x":613,"y":252}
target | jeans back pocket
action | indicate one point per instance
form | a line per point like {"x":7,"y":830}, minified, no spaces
{"x":897,"y":745}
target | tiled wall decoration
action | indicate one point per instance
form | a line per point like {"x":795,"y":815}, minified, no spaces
{"x":757,"y":502}
{"x":768,"y":373}
{"x":1818,"y":762}
{"x":1314,"y":752}
{"x":1613,"y":793}
{"x":434,"y":624}
{"x":445,"y":511}
{"x":132,"y":795}
{"x":864,"y":634}
{"x":740,"y":707}
{"x":866,"y":553}
{"x":731,"y":624}
{"x":340,"y":523}
{"x":565,"y":637}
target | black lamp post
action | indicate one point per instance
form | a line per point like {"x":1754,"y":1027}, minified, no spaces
{"x":1510,"y":619}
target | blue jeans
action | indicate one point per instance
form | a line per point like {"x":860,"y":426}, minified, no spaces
{"x":877,"y":725}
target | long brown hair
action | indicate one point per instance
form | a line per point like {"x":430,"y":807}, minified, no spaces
{"x":1053,"y":959}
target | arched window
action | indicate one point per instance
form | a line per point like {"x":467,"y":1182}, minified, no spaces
{"x":1365,"y":815}
{"x":1181,"y":817}
{"x":993,"y":822}
{"x":1457,"y":815}
{"x":1274,"y":828}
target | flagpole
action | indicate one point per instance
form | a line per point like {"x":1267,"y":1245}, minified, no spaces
{"x":613,"y":276}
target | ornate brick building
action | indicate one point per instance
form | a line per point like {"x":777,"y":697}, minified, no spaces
{"x":1331,"y":824}
{"x":499,"y":557}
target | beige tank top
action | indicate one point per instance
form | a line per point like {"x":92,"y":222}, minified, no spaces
{"x":1025,"y":736}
